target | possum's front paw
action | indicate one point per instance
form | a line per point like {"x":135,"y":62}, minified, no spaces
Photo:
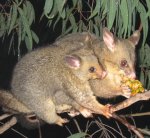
{"x":60,"y":121}
{"x":126,"y":91}
{"x":86,"y":113}
{"x":106,"y":111}
{"x":73,"y":113}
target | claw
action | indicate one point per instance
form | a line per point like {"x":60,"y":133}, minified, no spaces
{"x":106,"y":111}
{"x":86,"y":113}
{"x":73,"y":113}
{"x":126,"y":91}
{"x":61,"y":121}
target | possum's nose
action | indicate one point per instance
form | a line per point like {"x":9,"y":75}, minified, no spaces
{"x":103,"y":75}
{"x":132,"y":75}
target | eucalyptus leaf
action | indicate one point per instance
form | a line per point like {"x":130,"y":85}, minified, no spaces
{"x":27,"y":42}
{"x":125,"y":15}
{"x":19,"y":33}
{"x":72,"y":21}
{"x":48,"y":6}
{"x":141,"y":9}
{"x":134,"y":4}
{"x":130,"y":17}
{"x":78,"y":135}
{"x":13,"y":18}
{"x":96,"y":30}
{"x":148,"y":84}
{"x":11,"y":43}
{"x":148,"y":5}
{"x":35,"y":37}
{"x":142,"y":77}
{"x":25,"y":10}
{"x":60,"y":6}
{"x":112,"y":13}
{"x":96,"y":10}
{"x":30,"y":12}
{"x":27,"y":29}
{"x":9,"y":18}
{"x":74,"y":2}
{"x":2,"y":25}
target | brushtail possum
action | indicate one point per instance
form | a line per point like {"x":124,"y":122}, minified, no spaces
{"x":117,"y":56}
{"x":40,"y":74}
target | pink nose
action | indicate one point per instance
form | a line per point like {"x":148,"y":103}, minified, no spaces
{"x":132,"y":75}
{"x":104,"y":73}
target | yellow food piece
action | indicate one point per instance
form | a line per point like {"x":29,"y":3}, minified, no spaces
{"x":134,"y":85}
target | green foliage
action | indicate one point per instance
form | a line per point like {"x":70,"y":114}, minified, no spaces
{"x":78,"y":135}
{"x":17,"y":20}
{"x":121,"y":16}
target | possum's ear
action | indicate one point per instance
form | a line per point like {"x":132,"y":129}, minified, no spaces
{"x":73,"y":61}
{"x":135,"y":37}
{"x":108,"y":39}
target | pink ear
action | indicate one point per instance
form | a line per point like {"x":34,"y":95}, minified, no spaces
{"x":108,"y":39}
{"x":72,"y":61}
{"x":134,"y":38}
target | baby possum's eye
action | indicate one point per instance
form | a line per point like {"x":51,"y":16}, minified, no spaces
{"x":92,"y":69}
{"x":123,"y":63}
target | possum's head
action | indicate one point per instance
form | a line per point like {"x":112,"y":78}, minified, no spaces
{"x":85,"y":65}
{"x":121,"y":52}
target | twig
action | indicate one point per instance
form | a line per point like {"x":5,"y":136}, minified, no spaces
{"x":137,"y":114}
{"x":130,"y":101}
{"x":8,"y":125}
{"x":129,"y":126}
{"x":4,"y":116}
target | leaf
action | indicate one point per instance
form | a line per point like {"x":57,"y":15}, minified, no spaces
{"x":56,"y":21}
{"x":30,"y":12}
{"x":130,"y":17}
{"x":148,"y":5}
{"x":19,"y":32}
{"x":48,"y":7}
{"x":148,"y":85}
{"x":96,"y":10}
{"x":53,"y":12}
{"x":112,"y":13}
{"x":64,"y":26}
{"x":96,"y":30}
{"x":26,"y":28}
{"x":125,"y":15}
{"x":74,"y":2}
{"x":2,"y":25}
{"x":134,"y":4}
{"x":35,"y":37}
{"x":78,"y":135}
{"x":72,"y":21}
{"x":13,"y":18}
{"x":147,"y":55}
{"x":11,"y":43}
{"x":142,"y":80}
{"x":60,"y":7}
{"x":143,"y":16}
{"x":105,"y":7}
{"x":9,"y":18}
{"x":25,"y":9}
{"x":27,"y":42}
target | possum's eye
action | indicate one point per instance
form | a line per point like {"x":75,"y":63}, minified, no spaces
{"x":92,"y":69}
{"x":123,"y":63}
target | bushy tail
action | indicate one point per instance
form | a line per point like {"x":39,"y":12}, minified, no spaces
{"x":24,"y":116}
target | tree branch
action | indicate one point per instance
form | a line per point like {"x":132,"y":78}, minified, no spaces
{"x":130,"y":101}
